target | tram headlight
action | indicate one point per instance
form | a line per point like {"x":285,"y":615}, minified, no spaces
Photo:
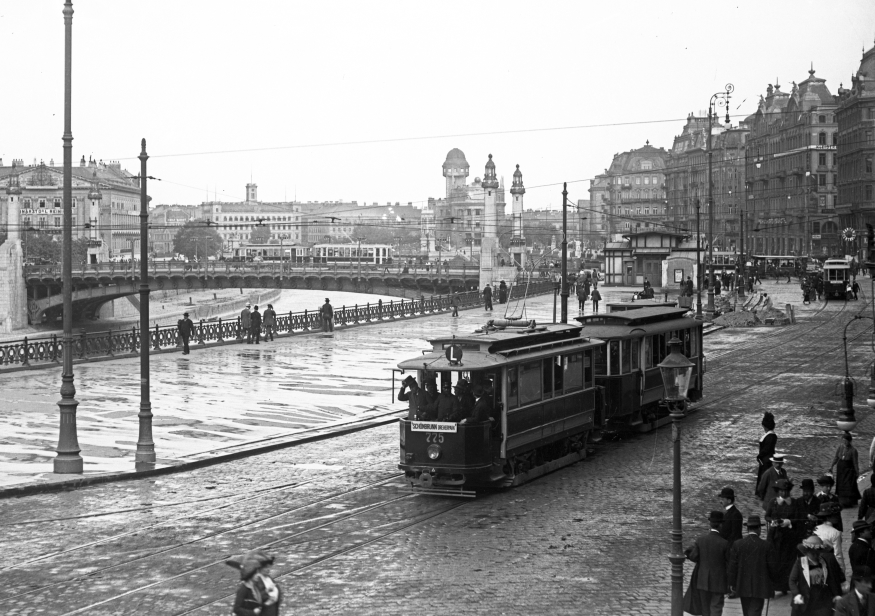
{"x":434,"y":452}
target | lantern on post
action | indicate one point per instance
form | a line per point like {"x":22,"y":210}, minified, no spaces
{"x":676,"y":371}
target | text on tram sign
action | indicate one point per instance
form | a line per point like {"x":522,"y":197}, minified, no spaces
{"x":434,"y":426}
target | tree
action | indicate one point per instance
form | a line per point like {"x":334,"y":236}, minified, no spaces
{"x":40,"y":247}
{"x":197,"y":238}
{"x":391,"y":234}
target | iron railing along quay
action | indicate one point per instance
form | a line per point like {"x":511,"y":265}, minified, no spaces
{"x":96,"y":346}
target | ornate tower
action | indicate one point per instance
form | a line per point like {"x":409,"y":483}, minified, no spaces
{"x":455,"y":170}
{"x":13,"y":205}
{"x":518,"y":241}
{"x":13,"y":293}
{"x":489,"y":239}
{"x":95,"y":247}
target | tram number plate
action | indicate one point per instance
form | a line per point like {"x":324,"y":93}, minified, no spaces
{"x":434,"y":426}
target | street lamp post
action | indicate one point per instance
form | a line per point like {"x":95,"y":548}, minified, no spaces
{"x":698,"y":260}
{"x":721,"y":98}
{"x":676,"y":371}
{"x":564,"y":271}
{"x":145,"y":456}
{"x":68,"y":459}
{"x":359,"y":255}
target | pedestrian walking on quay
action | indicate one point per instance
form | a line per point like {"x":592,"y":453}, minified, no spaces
{"x":255,"y":320}
{"x":257,"y":593}
{"x":753,"y":564}
{"x":810,"y":504}
{"x":185,"y":328}
{"x":786,"y":524}
{"x":596,"y":298}
{"x":454,"y":302}
{"x":581,"y":297}
{"x":327,"y":314}
{"x":767,"y":446}
{"x":708,"y":582}
{"x":816,"y":580}
{"x":487,"y":297}
{"x":246,"y":323}
{"x":860,"y":552}
{"x":847,"y":468}
{"x":859,"y":601}
{"x":829,"y":515}
{"x":733,"y":521}
{"x":716,"y":286}
{"x":855,"y":287}
{"x":502,"y":292}
{"x":268,"y":320}
{"x":767,"y":489}
{"x":826,"y":495}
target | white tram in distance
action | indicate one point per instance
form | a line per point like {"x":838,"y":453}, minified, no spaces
{"x":353,"y":254}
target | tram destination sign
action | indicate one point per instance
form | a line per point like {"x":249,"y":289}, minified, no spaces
{"x":434,"y":426}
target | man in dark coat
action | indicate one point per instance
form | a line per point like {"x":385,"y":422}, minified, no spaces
{"x":246,"y":323}
{"x":708,"y":582}
{"x":255,"y":320}
{"x":327,"y":314}
{"x":185,"y":327}
{"x":502,"y":292}
{"x":860,"y":552}
{"x":732,"y":518}
{"x":688,"y":287}
{"x":752,"y":565}
{"x":809,"y":503}
{"x":487,"y":298}
{"x":446,"y":407}
{"x":483,"y":405}
{"x":867,"y":505}
{"x":859,"y":601}
{"x":415,"y":398}
{"x":766,"y":489}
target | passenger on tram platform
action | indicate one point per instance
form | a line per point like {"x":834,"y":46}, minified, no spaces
{"x":415,"y":398}
{"x":465,"y":399}
{"x":482,"y":407}
{"x":446,"y":406}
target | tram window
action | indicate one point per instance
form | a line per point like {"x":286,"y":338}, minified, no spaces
{"x":687,"y":341}
{"x":600,"y":360}
{"x":694,"y":343}
{"x":548,"y":377}
{"x":573,"y":372}
{"x":530,"y":383}
{"x":658,"y":348}
{"x":587,"y":369}
{"x":512,"y":388}
{"x":558,"y":374}
{"x":626,"y":357}
{"x":648,"y":352}
{"x":636,"y":350}
{"x":614,"y":356}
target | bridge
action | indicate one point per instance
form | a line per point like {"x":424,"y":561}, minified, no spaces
{"x":96,"y":284}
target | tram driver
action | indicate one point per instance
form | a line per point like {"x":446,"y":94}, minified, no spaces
{"x":415,"y":398}
{"x":482,"y":407}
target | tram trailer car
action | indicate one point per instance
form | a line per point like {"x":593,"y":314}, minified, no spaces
{"x":544,"y":398}
{"x":836,"y":274}
{"x":626,"y":366}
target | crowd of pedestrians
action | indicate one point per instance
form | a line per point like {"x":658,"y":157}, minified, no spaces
{"x":802,"y":552}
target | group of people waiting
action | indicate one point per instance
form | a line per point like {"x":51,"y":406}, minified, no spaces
{"x":488,"y":295}
{"x":584,"y":284}
{"x":252,"y":321}
{"x":469,"y":403}
{"x":802,"y":553}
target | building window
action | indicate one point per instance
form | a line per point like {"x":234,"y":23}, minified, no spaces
{"x":57,"y":221}
{"x":821,"y":119}
{"x":821,"y":179}
{"x":822,"y":200}
{"x":868,"y":192}
{"x":868,"y":136}
{"x":42,"y":203}
{"x":646,"y":165}
{"x":647,"y":179}
{"x":835,"y":138}
{"x":638,"y":180}
{"x":868,"y":164}
{"x":821,"y":160}
{"x":821,"y":138}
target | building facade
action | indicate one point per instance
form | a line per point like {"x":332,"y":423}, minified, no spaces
{"x":855,"y":152}
{"x":791,"y":168}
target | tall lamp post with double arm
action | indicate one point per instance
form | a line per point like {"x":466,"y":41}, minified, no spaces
{"x":676,"y":371}
{"x":718,"y":99}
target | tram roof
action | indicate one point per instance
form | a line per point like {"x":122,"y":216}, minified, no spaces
{"x":489,"y":349}
{"x":646,"y":321}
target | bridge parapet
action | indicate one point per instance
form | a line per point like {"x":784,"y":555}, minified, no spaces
{"x":35,"y":352}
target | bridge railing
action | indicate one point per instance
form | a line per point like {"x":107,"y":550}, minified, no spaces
{"x":94,"y":346}
{"x":132,"y":269}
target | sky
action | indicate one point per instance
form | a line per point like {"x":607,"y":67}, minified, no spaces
{"x":361,"y":101}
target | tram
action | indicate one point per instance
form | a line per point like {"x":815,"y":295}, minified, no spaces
{"x":626,"y":368}
{"x":540,"y":384}
{"x":836,"y":275}
{"x":352,"y":254}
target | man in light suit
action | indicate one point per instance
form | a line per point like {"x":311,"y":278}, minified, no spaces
{"x":752,"y":565}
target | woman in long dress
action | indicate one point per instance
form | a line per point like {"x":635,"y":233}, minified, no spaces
{"x":767,"y":446}
{"x":785,"y":522}
{"x":847,"y":469}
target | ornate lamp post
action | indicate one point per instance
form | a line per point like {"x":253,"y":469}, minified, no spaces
{"x":676,"y":371}
{"x":717,"y":99}
{"x":145,"y":456}
{"x":698,"y":260}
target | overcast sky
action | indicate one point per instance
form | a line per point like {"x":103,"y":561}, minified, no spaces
{"x":362,"y":100}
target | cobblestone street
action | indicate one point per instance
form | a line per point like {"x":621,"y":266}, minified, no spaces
{"x":592,"y":538}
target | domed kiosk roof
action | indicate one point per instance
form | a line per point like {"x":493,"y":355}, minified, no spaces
{"x":455,"y":159}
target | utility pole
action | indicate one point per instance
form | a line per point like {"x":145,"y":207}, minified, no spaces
{"x":564,"y":274}
{"x":68,"y":459}
{"x":145,"y":456}
{"x":724,"y":96}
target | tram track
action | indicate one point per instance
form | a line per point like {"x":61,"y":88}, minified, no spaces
{"x":178,"y":545}
{"x":285,"y":543}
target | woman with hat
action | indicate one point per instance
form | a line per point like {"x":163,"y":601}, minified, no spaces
{"x":257,"y":594}
{"x":828,"y":533}
{"x":786,"y":523}
{"x":847,"y":465}
{"x":767,"y":445}
{"x":826,"y":483}
{"x":816,"y":580}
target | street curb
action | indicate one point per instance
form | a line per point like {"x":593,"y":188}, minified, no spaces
{"x":291,"y":441}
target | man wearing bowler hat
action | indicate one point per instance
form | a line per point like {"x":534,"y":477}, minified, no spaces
{"x":708,"y":582}
{"x":766,"y":489}
{"x":415,"y":398}
{"x":860,"y":552}
{"x":752,"y":565}
{"x":809,"y":503}
{"x":860,"y":601}
{"x":732,"y":518}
